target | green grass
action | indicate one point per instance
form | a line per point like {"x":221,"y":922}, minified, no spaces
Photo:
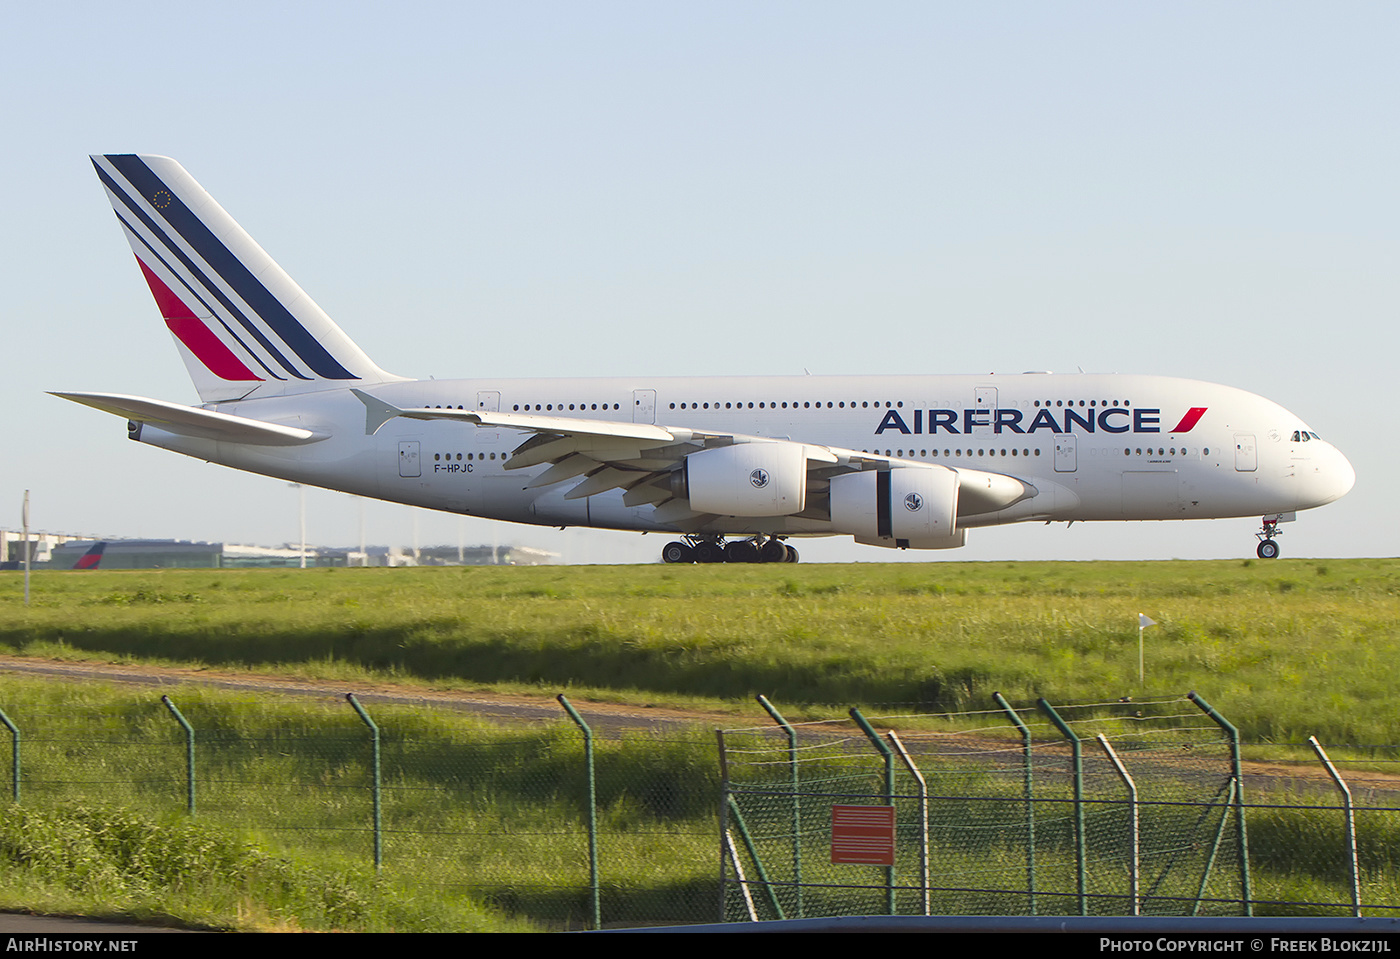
{"x":111,"y":862}
{"x":485,"y":822}
{"x":1285,"y":649}
{"x":484,"y":825}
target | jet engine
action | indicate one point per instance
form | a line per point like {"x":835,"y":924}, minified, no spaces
{"x":746,"y":479}
{"x":914,"y":507}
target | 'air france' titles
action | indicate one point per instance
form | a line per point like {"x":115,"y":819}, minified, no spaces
{"x":1116,"y":419}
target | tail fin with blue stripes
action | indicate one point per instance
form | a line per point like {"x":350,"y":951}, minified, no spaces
{"x":242,"y":325}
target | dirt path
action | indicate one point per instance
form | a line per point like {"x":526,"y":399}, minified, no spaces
{"x":604,"y":718}
{"x":493,"y":705}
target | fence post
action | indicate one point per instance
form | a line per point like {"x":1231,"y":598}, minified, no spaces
{"x":189,"y":753}
{"x":592,"y":810}
{"x":796,"y":801}
{"x":14,"y":753}
{"x":1242,"y":834}
{"x":908,"y":761}
{"x":888,"y":757}
{"x":726,"y":847}
{"x":1351,"y":824}
{"x":1133,"y":885}
{"x":1030,"y":802}
{"x":1214,"y":851}
{"x":374,"y":733}
{"x":1077,"y":753}
{"x":737,"y":818}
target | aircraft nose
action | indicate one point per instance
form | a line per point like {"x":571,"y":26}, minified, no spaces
{"x":1332,"y":478}
{"x":1344,"y":474}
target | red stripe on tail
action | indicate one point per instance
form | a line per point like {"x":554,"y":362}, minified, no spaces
{"x":92,"y":557}
{"x":191,"y":331}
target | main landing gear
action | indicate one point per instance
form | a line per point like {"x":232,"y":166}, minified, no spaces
{"x":713,"y":549}
{"x":1268,"y":549}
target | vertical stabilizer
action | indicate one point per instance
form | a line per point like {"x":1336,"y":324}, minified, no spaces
{"x":93,"y":557}
{"x":242,"y":325}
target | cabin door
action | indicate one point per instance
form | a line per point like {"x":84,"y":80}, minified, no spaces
{"x":409,"y":465}
{"x":1246,"y":459}
{"x":984,"y":401}
{"x":1066,"y":459}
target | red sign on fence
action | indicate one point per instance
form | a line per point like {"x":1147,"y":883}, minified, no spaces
{"x":863,"y":835}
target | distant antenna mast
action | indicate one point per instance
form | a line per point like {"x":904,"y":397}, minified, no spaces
{"x":301,"y":514}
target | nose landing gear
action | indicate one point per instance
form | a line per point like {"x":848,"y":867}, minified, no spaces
{"x":1268,"y":549}
{"x":713,"y":549}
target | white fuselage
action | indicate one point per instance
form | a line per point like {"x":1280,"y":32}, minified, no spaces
{"x":894,"y":461}
{"x":1092,"y":447}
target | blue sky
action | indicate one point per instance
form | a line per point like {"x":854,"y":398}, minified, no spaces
{"x":1202,"y":190}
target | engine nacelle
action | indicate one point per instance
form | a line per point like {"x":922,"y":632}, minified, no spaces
{"x":748,"y":479}
{"x":915,"y":507}
{"x":956,"y":541}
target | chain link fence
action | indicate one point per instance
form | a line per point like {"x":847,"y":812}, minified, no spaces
{"x":526,"y":819}
{"x":1097,"y":809}
{"x":1100,"y":809}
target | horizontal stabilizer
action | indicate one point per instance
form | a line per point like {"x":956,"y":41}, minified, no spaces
{"x":193,"y":421}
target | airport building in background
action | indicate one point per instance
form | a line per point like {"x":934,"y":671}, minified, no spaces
{"x":65,"y":551}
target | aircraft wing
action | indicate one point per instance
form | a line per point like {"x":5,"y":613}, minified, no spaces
{"x":193,"y":421}
{"x":640,"y":458}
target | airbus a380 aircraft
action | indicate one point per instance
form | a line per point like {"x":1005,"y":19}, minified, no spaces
{"x":897,"y":461}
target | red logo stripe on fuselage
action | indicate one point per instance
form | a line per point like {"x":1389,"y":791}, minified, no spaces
{"x":1189,"y":421}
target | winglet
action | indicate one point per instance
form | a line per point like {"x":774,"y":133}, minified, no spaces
{"x":377,"y":412}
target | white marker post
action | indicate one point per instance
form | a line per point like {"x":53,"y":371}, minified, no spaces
{"x":24,"y":517}
{"x":1144,"y":621}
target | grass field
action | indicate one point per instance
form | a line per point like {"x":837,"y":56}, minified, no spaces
{"x":485,"y":825}
{"x":1286,"y":649}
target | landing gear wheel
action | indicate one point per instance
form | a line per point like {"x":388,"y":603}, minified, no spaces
{"x":677,"y":553}
{"x":742,"y":551}
{"x":792,"y":556}
{"x":1268,"y":549}
{"x":773,"y":551}
{"x":707,"y":552}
